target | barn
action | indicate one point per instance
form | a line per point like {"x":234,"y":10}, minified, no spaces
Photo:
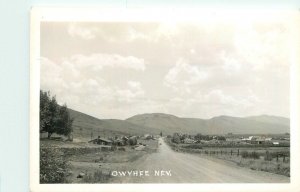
{"x":101,"y":141}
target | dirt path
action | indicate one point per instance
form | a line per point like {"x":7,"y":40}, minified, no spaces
{"x":189,"y":168}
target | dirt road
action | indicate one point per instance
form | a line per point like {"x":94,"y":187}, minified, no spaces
{"x":168,"y":166}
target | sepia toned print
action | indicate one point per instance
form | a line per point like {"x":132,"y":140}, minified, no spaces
{"x":165,"y":101}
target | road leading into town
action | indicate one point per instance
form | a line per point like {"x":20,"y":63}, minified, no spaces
{"x":177,"y":167}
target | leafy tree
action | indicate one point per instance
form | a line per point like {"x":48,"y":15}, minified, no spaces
{"x":45,"y":115}
{"x":53,"y":117}
{"x":199,"y":136}
{"x":221,"y":138}
{"x":176,"y":138}
{"x":63,"y":121}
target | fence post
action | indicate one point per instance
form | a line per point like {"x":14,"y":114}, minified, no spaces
{"x":283,"y":158}
{"x":238,"y":152}
{"x":267,"y":156}
{"x":277,"y":157}
{"x":221,"y":152}
{"x":231,"y":152}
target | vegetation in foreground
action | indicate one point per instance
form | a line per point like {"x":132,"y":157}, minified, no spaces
{"x":53,"y":166}
{"x":68,"y":162}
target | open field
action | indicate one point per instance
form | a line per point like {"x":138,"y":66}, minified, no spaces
{"x":269,"y":159}
{"x":88,"y":163}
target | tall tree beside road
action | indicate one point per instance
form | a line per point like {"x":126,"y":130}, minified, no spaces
{"x":53,"y":117}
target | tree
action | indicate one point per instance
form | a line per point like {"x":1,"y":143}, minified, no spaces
{"x":176,"y":138}
{"x":53,"y":117}
{"x":45,"y":115}
{"x":221,"y":138}
{"x":63,"y":121}
{"x":199,"y":136}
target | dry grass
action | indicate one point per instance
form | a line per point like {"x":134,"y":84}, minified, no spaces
{"x":262,"y":159}
{"x":96,"y":177}
{"x":94,"y":161}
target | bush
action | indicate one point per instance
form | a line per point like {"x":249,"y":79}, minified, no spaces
{"x":193,"y":146}
{"x":268,"y":156}
{"x":245,"y":154}
{"x":97,"y":177}
{"x":254,"y":155}
{"x":176,"y":138}
{"x":53,"y":166}
{"x":132,"y":140}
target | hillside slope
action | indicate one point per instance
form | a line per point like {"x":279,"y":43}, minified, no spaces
{"x":85,"y":127}
{"x":270,"y":119}
{"x":217,"y":125}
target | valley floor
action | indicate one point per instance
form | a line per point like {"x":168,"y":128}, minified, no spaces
{"x":158,"y":163}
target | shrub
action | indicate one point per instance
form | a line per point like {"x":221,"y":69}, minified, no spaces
{"x":53,"y":166}
{"x":245,"y":154}
{"x":254,"y":155}
{"x":132,"y":140}
{"x":193,"y":146}
{"x":97,"y":177}
{"x":176,"y":138}
{"x":268,"y":156}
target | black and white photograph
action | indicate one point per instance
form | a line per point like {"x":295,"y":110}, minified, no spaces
{"x":202,"y":100}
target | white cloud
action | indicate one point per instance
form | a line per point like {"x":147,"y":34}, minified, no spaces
{"x":167,"y":30}
{"x":183,"y":75}
{"x":50,"y":73}
{"x":132,"y":92}
{"x":76,"y":30}
{"x":230,"y":64}
{"x":79,"y":82}
{"x":134,"y":34}
{"x":192,"y":51}
{"x":134,"y":84}
{"x":224,"y":68}
{"x":97,"y":61}
{"x":261,"y":50}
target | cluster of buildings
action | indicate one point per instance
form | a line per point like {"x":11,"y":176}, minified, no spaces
{"x":230,"y":139}
{"x":190,"y":139}
{"x":258,"y":140}
{"x":120,"y":141}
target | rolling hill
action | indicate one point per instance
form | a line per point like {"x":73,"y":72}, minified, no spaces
{"x":85,"y":126}
{"x":216,"y":125}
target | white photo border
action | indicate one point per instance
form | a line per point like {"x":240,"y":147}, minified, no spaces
{"x":97,"y":14}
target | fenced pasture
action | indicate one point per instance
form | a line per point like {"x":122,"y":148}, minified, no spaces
{"x":270,"y":159}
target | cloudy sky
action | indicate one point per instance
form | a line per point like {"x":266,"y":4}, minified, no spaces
{"x":197,"y":69}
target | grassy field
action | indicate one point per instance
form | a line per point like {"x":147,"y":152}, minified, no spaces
{"x":270,"y":159}
{"x":68,"y":162}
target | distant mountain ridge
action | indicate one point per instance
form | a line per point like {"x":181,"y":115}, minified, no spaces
{"x":263,"y":124}
{"x":86,"y":126}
